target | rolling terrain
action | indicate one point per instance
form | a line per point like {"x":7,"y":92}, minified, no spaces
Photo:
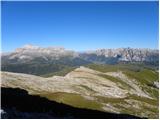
{"x":115,"y":83}
{"x":119,"y":91}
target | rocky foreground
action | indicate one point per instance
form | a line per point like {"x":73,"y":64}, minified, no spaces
{"x":114,"y":92}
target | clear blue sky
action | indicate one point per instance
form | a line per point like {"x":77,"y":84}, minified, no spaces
{"x":80,"y":25}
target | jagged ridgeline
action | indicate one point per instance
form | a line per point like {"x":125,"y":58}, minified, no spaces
{"x":59,"y":61}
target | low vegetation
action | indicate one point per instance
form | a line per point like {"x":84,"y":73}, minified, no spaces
{"x":97,"y":90}
{"x":72,"y":99}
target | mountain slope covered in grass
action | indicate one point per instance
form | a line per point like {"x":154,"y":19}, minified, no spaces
{"x":120,"y":89}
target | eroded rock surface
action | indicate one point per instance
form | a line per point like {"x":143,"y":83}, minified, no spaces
{"x":87,"y":88}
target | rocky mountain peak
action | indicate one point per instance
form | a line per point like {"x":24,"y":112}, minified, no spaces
{"x":109,"y":56}
{"x":29,"y":46}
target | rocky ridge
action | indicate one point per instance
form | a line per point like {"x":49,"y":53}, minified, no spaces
{"x":29,"y":52}
{"x":104,"y":91}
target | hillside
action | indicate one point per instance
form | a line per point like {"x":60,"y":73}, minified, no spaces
{"x":119,"y":90}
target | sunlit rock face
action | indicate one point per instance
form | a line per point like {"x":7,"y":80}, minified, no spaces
{"x":128,"y":54}
{"x":30,"y":52}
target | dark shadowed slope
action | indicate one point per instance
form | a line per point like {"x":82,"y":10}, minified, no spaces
{"x":17,"y":103}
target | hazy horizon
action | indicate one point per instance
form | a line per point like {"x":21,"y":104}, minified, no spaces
{"x":80,"y":26}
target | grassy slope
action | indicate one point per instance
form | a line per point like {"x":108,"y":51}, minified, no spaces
{"x":144,"y":76}
{"x":62,"y":72}
{"x":146,"y":79}
{"x":72,"y":99}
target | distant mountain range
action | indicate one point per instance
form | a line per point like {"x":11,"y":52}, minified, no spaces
{"x":122,"y":83}
{"x":31,"y":59}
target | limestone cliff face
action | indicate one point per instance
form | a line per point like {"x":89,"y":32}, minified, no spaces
{"x":29,"y":52}
{"x":128,"y":54}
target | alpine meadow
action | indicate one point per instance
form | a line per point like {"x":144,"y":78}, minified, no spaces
{"x":79,"y":60}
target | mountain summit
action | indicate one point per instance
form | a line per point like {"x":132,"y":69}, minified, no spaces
{"x":119,"y":54}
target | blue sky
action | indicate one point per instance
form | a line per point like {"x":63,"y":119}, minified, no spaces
{"x":80,"y":25}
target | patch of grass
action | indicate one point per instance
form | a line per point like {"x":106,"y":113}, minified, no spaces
{"x":142,"y":111}
{"x":145,"y":76}
{"x":72,"y":99}
{"x":122,"y":105}
{"x":62,"y":72}
{"x":154,"y":92}
{"x":109,"y":100}
{"x":146,"y":79}
{"x":116,"y":67}
{"x":87,"y":88}
{"x":87,"y":78}
{"x":143,"y":99}
{"x":104,"y":85}
{"x":102,"y":68}
{"x":152,"y":109}
{"x":116,"y":80}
